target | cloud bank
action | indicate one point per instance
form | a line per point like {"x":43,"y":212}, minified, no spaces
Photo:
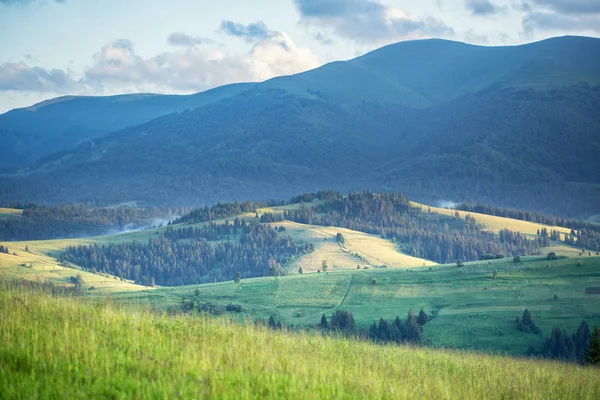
{"x":368,"y":21}
{"x":117,"y":67}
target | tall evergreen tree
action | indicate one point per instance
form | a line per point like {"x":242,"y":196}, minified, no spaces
{"x":581,"y":339}
{"x":592,"y":352}
{"x":423,"y":318}
{"x":324,"y":323}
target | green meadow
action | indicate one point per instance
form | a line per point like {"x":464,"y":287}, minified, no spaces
{"x":55,"y":347}
{"x":474,"y":311}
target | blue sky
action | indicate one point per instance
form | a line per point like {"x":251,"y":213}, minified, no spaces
{"x":50,"y":48}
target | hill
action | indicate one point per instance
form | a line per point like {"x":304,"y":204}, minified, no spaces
{"x":439,"y":120}
{"x":57,"y":347}
{"x":474,"y":311}
{"x":29,"y":134}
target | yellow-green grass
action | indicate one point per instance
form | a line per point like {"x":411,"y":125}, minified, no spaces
{"x":37,"y":266}
{"x":496,"y":224}
{"x":475,"y":310}
{"x":358,"y":249}
{"x":61,"y":348}
{"x":9,"y":213}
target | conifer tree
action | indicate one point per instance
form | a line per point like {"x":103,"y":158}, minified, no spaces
{"x":423,"y":318}
{"x":592,"y":352}
{"x":324,"y":323}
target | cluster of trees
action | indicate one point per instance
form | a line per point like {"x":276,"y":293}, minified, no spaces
{"x":170,"y":261}
{"x":41,"y":222}
{"x":581,"y":347}
{"x":419,"y":233}
{"x":219,"y":211}
{"x":4,"y":249}
{"x":271,"y":217}
{"x":399,"y":331}
{"x":583,"y":234}
{"x":323,"y":195}
{"x":210,"y":232}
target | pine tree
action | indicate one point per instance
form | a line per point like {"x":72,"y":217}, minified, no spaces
{"x":592,"y":352}
{"x":324,"y":324}
{"x":272,"y":323}
{"x":526,"y":323}
{"x":423,"y":318}
{"x":581,"y":339}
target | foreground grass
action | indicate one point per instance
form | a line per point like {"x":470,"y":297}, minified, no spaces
{"x":62,"y":348}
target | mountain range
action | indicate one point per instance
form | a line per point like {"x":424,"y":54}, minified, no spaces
{"x":515,"y":126}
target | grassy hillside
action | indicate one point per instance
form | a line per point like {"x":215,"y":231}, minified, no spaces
{"x":475,"y":310}
{"x":496,"y":224}
{"x":57,"y":348}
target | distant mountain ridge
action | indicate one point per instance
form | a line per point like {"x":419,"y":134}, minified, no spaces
{"x":31,"y":133}
{"x":516,"y":126}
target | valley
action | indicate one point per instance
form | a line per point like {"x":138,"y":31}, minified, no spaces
{"x":367,"y":275}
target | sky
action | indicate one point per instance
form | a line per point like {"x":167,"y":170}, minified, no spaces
{"x":51,"y":48}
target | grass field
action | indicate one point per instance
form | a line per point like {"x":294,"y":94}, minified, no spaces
{"x":496,"y":224}
{"x":475,"y":311}
{"x":61,"y":348}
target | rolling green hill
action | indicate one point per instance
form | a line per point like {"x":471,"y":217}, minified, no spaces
{"x":437,"y":120}
{"x":474,"y":310}
{"x":59,"y":347}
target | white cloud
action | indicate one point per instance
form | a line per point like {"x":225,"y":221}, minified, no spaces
{"x":118,"y":68}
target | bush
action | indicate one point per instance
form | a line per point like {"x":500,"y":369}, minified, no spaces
{"x":234,"y":308}
{"x":374,"y":281}
{"x":517,"y":259}
{"x":460,"y":264}
{"x":495,"y":274}
{"x":552,"y":256}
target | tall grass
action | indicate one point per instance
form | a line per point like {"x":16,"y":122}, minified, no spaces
{"x":60,"y":347}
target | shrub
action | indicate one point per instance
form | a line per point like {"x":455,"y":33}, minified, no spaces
{"x":460,"y":264}
{"x":495,"y":274}
{"x":517,"y":259}
{"x":374,"y":281}
{"x":552,"y":256}
{"x":234,"y":308}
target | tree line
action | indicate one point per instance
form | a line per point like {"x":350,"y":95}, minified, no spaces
{"x":418,"y":232}
{"x":219,"y":211}
{"x":41,"y":222}
{"x":186,"y":256}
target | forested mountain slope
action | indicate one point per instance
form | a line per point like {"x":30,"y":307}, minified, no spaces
{"x":515,"y":126}
{"x":27,"y":134}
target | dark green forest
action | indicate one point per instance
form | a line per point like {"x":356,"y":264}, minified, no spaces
{"x":187,"y":256}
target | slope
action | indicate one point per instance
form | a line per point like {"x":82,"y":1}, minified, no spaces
{"x":82,"y":350}
{"x":31,"y":133}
